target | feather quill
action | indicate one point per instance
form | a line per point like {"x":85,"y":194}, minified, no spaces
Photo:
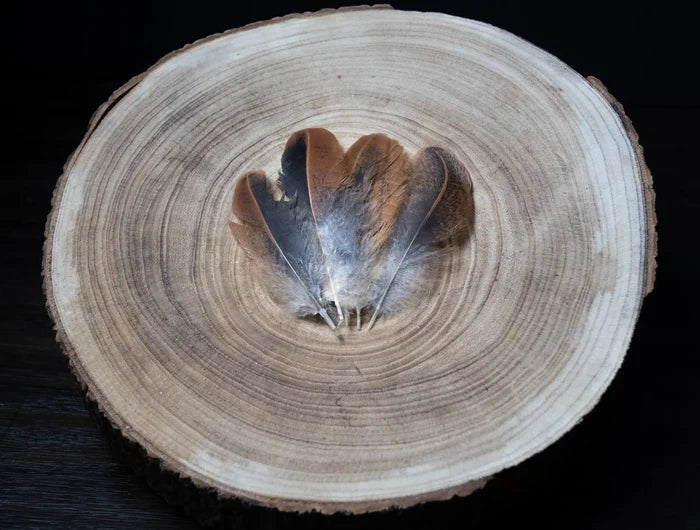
{"x":278,"y":231}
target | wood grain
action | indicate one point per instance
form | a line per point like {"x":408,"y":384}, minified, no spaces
{"x":170,"y":331}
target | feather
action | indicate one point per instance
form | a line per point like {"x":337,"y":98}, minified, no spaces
{"x":312,"y":172}
{"x":355,"y":223}
{"x":277,"y":232}
{"x":439,"y":208}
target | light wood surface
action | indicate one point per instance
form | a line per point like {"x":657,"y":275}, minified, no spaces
{"x":168,"y":328}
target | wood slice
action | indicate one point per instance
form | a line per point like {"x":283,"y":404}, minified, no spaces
{"x":177,"y":342}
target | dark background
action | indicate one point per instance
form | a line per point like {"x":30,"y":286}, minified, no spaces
{"x":633,"y":461}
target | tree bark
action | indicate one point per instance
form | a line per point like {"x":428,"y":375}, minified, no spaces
{"x":180,"y":349}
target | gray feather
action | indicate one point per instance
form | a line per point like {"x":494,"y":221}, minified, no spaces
{"x":292,"y":232}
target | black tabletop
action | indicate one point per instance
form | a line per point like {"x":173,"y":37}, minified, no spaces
{"x":632,"y":463}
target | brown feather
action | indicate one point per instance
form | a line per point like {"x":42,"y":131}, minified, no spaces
{"x":439,"y":208}
{"x":273,"y":232}
{"x":313,"y":170}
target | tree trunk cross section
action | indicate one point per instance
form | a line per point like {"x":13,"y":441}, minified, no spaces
{"x":178,"y":345}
